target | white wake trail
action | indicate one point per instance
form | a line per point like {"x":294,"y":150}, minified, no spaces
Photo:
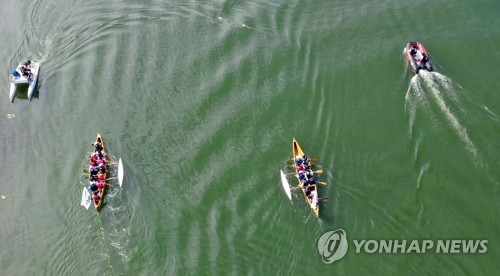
{"x":431,"y":80}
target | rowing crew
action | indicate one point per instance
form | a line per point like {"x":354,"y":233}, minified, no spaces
{"x":97,"y":170}
{"x":305,"y":175}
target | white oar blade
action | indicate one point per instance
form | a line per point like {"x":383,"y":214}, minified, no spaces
{"x":120,"y":172}
{"x":285,"y":184}
{"x":86,"y":199}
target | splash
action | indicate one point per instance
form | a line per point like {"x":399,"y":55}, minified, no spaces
{"x":442,"y":89}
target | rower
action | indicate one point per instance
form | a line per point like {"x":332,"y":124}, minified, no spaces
{"x":102,"y":168}
{"x":101,"y":176}
{"x":96,"y":197}
{"x":93,"y":170}
{"x":311,"y":180}
{"x":93,"y":178}
{"x":310,"y":191}
{"x":93,"y":187}
{"x":98,"y":146}
{"x":100,"y":185}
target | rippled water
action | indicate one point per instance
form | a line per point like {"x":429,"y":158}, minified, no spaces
{"x":202,"y":100}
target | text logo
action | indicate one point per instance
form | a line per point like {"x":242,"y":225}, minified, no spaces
{"x":332,"y":246}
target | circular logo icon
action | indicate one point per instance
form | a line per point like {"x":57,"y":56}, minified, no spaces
{"x":332,"y":246}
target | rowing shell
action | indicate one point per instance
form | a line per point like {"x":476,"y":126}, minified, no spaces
{"x":285,"y":184}
{"x":313,"y":202}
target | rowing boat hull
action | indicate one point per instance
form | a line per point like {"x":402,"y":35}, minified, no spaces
{"x":98,"y":205}
{"x":297,"y":151}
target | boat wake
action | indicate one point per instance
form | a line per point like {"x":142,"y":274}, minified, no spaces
{"x":432,"y":88}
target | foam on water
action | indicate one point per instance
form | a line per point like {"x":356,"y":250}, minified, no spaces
{"x":442,"y":89}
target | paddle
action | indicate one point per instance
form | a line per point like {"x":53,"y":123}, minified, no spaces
{"x":322,"y":198}
{"x":322,"y":183}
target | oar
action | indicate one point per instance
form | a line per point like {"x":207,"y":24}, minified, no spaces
{"x":318,"y":172}
{"x":106,"y":178}
{"x":312,"y":159}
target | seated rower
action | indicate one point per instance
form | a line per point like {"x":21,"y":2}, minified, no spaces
{"x":96,"y":197}
{"x":101,"y":161}
{"x":93,"y":170}
{"x":100,"y":185}
{"x":310,"y":191}
{"x":93,"y":187}
{"x":100,"y":154}
{"x":311,"y":181}
{"x":101,"y":177}
{"x":102,"y":168}
{"x":93,"y":178}
{"x":305,"y":159}
{"x":98,"y":146}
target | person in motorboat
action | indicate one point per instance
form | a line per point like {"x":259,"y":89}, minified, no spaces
{"x":26,"y":71}
{"x":424,"y":59}
{"x":15,"y":74}
{"x":413,"y":51}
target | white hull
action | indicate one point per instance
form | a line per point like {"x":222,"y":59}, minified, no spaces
{"x":22,"y":80}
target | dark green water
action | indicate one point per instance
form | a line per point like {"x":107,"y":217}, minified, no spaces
{"x":202,"y":99}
